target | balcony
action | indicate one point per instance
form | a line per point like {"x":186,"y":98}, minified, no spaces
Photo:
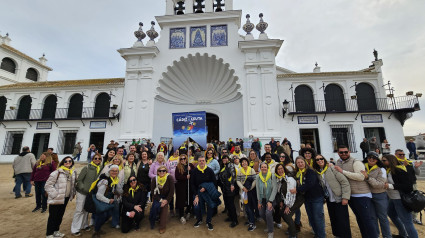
{"x":60,"y":114}
{"x":404,"y":104}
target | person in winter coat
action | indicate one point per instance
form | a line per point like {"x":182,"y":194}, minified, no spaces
{"x":309,"y":184}
{"x":60,"y":188}
{"x":399,"y":181}
{"x":159,"y":161}
{"x":134,"y":201}
{"x":227,"y":177}
{"x":338,"y":192}
{"x":376,"y":177}
{"x":87,"y":176}
{"x":182,"y":176}
{"x":162,"y":190}
{"x":22,"y":169}
{"x":40,"y":173}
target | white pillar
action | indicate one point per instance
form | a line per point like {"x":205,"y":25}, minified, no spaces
{"x":228,"y":5}
{"x":169,"y":8}
{"x":209,"y":5}
{"x":189,"y":6}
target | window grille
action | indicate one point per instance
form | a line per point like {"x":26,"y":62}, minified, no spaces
{"x":8,"y":65}
{"x":13,"y":142}
{"x":343,"y":135}
{"x":32,"y":74}
{"x":66,"y":141}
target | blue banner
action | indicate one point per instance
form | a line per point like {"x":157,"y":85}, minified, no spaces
{"x":189,"y":124}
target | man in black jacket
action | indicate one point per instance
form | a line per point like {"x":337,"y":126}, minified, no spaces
{"x":364,"y":146}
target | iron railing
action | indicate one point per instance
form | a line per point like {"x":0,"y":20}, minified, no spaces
{"x":404,"y":103}
{"x":60,"y":114}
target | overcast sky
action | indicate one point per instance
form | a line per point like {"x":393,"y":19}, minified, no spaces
{"x":80,"y":37}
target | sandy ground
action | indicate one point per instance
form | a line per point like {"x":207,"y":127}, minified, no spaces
{"x":17,"y":220}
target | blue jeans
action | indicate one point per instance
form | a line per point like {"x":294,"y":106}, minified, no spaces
{"x":77,"y":157}
{"x":116,"y":214}
{"x":198,"y":210}
{"x":297,"y":220}
{"x":267,"y":216}
{"x":250,"y":213}
{"x":362,"y":207}
{"x":101,"y":218}
{"x":380,"y":202}
{"x":413,"y":154}
{"x":316,"y":216}
{"x":401,"y":218}
{"x":22,"y":179}
{"x":40,"y":198}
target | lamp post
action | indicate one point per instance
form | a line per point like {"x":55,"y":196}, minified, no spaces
{"x":285,"y":105}
{"x":114,"y":110}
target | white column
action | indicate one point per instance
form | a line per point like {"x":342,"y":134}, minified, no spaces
{"x":189,"y":6}
{"x":209,"y":5}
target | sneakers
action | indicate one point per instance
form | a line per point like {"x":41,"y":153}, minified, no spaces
{"x":19,"y":196}
{"x":270,"y":235}
{"x":36,"y":209}
{"x":87,"y":229}
{"x":279,"y":225}
{"x":117,"y":227}
{"x":210,"y":226}
{"x":76,"y":234}
{"x":183,"y":220}
{"x":197,"y":224}
{"x":233,"y":224}
{"x":251,"y":227}
{"x":58,"y":234}
{"x":416,"y":221}
{"x":29,"y":195}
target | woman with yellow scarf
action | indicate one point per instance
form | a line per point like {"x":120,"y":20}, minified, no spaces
{"x":245,"y":180}
{"x":308,"y":183}
{"x":162,"y":190}
{"x":266,"y":194}
{"x":227,"y":178}
{"x":134,"y":201}
{"x":338,"y":192}
{"x":399,"y":182}
{"x":40,"y":173}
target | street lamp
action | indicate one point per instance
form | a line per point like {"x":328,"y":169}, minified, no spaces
{"x":285,"y":107}
{"x":113,"y":110}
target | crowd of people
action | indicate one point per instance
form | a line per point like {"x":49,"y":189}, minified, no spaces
{"x":129,"y":182}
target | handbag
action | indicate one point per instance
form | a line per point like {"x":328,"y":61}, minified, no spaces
{"x":89,"y":205}
{"x":101,"y":206}
{"x":414,"y":201}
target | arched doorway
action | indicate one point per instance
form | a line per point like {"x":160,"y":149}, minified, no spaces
{"x":213,"y":125}
{"x":366,"y":100}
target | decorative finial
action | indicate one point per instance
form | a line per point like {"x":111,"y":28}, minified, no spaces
{"x":152,"y":34}
{"x":44,"y":54}
{"x":139,"y":34}
{"x":218,"y":6}
{"x":316,"y":64}
{"x":248,"y":27}
{"x":199,"y":6}
{"x":262,"y":26}
{"x":7,"y":34}
{"x":375,"y":53}
{"x":179,"y":8}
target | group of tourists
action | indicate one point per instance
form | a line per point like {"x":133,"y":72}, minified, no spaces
{"x":190,"y":184}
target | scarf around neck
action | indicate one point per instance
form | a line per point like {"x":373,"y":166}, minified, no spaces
{"x":264,"y":180}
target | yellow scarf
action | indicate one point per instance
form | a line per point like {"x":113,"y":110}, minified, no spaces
{"x":96,"y":166}
{"x":230,"y":179}
{"x":370,"y":170}
{"x":246,"y":173}
{"x":251,"y":163}
{"x":271,"y":162}
{"x":264,"y":180}
{"x":238,"y":154}
{"x":279,"y":177}
{"x":310,"y":163}
{"x":323,"y":171}
{"x":115,"y":181}
{"x":300,"y":175}
{"x":66,"y":169}
{"x":404,"y":159}
{"x":93,"y":185}
{"x":173,"y":158}
{"x":402,"y":167}
{"x":209,"y":160}
{"x":202,"y":170}
{"x":161,"y":181}
{"x":131,"y":190}
{"x":40,"y":164}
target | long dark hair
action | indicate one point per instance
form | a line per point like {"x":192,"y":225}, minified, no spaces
{"x":392,"y":163}
{"x":284,"y":169}
{"x":127,"y":186}
{"x":315,"y":165}
{"x":287,"y":158}
{"x":63,"y":161}
{"x":313,"y":153}
{"x":105,"y":157}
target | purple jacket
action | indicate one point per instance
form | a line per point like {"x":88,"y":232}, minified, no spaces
{"x":154,"y":167}
{"x":42,"y":173}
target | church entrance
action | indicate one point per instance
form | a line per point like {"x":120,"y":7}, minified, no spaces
{"x":213,"y":126}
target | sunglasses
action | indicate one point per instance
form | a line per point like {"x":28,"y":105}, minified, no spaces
{"x":343,"y":152}
{"x":67,"y":161}
{"x":282,"y":156}
{"x":97,"y":158}
{"x":317,"y":159}
{"x":162,"y":171}
{"x":402,"y":154}
{"x":133,"y":180}
{"x":182,"y":158}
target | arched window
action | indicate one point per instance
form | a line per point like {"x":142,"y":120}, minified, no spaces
{"x":75,"y":109}
{"x":304,"y":100}
{"x":334,"y":98}
{"x":101,"y":107}
{"x":366,"y":100}
{"x":49,"y":109}
{"x":24,"y":109}
{"x":32,"y":74}
{"x":3,"y":102}
{"x":8,"y":64}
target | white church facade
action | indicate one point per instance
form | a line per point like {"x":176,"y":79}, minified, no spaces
{"x":200,"y":63}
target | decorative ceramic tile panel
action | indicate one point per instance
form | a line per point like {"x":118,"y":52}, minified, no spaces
{"x":177,"y":38}
{"x":198,"y":36}
{"x":219,"y":35}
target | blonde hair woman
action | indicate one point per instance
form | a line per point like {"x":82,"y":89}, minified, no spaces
{"x":40,"y":173}
{"x":159,"y":161}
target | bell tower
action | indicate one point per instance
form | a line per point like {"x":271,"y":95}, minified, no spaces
{"x":180,"y":7}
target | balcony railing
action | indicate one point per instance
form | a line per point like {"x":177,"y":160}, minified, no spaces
{"x":404,"y":103}
{"x":60,"y":114}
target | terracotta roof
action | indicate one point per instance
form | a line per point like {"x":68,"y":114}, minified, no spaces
{"x":13,"y":50}
{"x":324,"y":74}
{"x":66,"y":83}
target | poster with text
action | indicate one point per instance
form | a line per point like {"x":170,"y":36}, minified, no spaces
{"x":189,"y":125}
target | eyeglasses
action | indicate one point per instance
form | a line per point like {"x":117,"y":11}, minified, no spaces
{"x":97,"y":158}
{"x":317,"y":159}
{"x":372,"y":158}
{"x":67,"y":161}
{"x":133,"y":180}
{"x":182,"y":158}
{"x":162,"y":171}
{"x":282,"y":156}
{"x":402,"y":154}
{"x":307,"y":153}
{"x":343,"y":152}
